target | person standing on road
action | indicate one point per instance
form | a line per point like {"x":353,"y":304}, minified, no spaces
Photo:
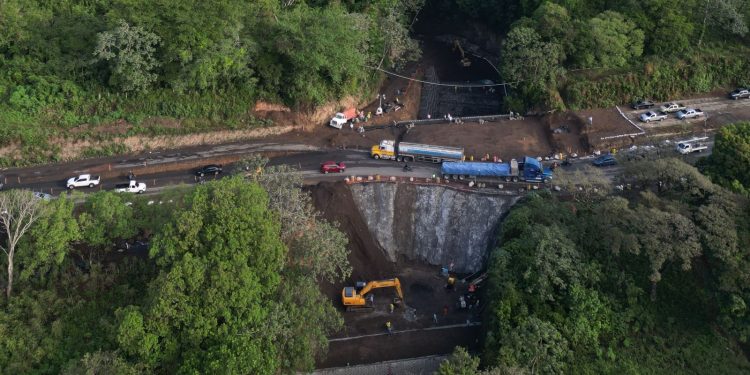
{"x":392,"y":307}
{"x":389,"y":327}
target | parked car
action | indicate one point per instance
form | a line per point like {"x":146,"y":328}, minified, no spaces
{"x":42,"y":196}
{"x":605,"y":160}
{"x":653,"y":116}
{"x":642,"y":104}
{"x":332,"y":167}
{"x":740,"y":93}
{"x":671,"y":107}
{"x":209,"y":169}
{"x":689,"y":113}
{"x":82,"y":181}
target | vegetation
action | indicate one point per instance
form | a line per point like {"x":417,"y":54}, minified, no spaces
{"x":616,"y":51}
{"x":729,"y":159}
{"x":229,"y":284}
{"x":81,"y":64}
{"x":638,"y":283}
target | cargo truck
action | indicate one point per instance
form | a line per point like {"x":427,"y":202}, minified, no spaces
{"x":403,"y":151}
{"x":530,"y":170}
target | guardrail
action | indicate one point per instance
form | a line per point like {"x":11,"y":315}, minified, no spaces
{"x":458,"y":185}
{"x":443,"y":120}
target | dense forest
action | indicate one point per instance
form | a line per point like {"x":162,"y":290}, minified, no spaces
{"x":651,"y":280}
{"x":81,"y":65}
{"x":229,"y":285}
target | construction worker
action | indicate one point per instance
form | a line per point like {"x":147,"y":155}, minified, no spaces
{"x":451,"y":282}
{"x":389,"y":327}
{"x":392,"y":306}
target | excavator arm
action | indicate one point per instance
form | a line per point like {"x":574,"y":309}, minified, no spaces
{"x":350,"y":296}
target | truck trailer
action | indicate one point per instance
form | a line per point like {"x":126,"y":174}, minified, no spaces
{"x":530,"y":170}
{"x":403,"y":151}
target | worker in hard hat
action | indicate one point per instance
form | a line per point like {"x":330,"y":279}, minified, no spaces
{"x":389,"y":327}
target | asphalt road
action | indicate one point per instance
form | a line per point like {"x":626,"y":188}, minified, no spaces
{"x":173,"y":167}
{"x":51,"y":179}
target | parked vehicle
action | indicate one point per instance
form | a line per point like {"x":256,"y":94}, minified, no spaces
{"x":340,"y":119}
{"x":131,"y":187}
{"x":403,"y":151}
{"x":653,"y":116}
{"x":42,"y":196}
{"x":82,"y":181}
{"x":530,"y":170}
{"x":332,"y":167}
{"x":671,"y":107}
{"x":211,"y":169}
{"x":740,"y":93}
{"x":689,"y":113}
{"x":692,"y":145}
{"x":642,"y":104}
{"x":605,"y":161}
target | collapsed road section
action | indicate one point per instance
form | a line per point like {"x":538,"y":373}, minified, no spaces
{"x":413,"y":249}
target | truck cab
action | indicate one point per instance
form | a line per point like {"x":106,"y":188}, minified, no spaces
{"x":533,"y":171}
{"x":385,"y":150}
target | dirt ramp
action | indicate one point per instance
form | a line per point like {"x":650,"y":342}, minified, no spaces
{"x":334,"y":200}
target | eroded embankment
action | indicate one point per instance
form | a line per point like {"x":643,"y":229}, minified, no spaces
{"x":434,"y":224}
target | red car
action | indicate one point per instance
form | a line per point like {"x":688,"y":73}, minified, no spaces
{"x":332,"y":166}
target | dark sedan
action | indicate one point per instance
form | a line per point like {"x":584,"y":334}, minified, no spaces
{"x":211,"y":169}
{"x":605,"y":160}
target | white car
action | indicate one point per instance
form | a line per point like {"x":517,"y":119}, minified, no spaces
{"x":82,"y":181}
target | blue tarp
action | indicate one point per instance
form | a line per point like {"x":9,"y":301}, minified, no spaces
{"x":470,"y":168}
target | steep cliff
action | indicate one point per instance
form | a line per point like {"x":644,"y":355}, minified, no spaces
{"x":434,"y":224}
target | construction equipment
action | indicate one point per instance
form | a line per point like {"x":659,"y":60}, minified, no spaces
{"x":465,"y":62}
{"x":355,"y":298}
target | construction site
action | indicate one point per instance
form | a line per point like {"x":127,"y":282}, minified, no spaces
{"x":419,"y":251}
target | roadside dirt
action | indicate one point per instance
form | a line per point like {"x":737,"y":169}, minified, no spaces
{"x":425,"y":294}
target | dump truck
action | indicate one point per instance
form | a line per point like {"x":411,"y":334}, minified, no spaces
{"x":530,"y":170}
{"x":403,"y":151}
{"x":354,"y":298}
{"x":340,"y":119}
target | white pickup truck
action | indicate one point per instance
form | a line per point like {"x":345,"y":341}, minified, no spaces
{"x":692,"y":145}
{"x":83,"y":180}
{"x":131,"y":187}
{"x":671,"y":107}
{"x":653,"y":116}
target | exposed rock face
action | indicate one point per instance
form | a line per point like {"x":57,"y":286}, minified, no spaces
{"x":434,"y":224}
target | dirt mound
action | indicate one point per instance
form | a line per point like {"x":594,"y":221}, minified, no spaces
{"x":335,"y":202}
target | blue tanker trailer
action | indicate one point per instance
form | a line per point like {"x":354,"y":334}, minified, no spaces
{"x":530,"y":170}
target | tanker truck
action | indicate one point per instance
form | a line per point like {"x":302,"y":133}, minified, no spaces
{"x":530,"y":170}
{"x":403,"y":151}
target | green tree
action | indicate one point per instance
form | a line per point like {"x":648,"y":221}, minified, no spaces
{"x":537,"y":346}
{"x":527,"y":59}
{"x":19,"y":210}
{"x":106,"y":218}
{"x":728,"y":162}
{"x":314,"y":55}
{"x":49,"y":238}
{"x":101,"y":363}
{"x":460,"y":362}
{"x":210,"y":305}
{"x":609,"y":41}
{"x":130,"y":53}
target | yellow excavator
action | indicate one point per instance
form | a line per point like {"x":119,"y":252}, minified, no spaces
{"x":465,"y":62}
{"x":355,"y":299}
